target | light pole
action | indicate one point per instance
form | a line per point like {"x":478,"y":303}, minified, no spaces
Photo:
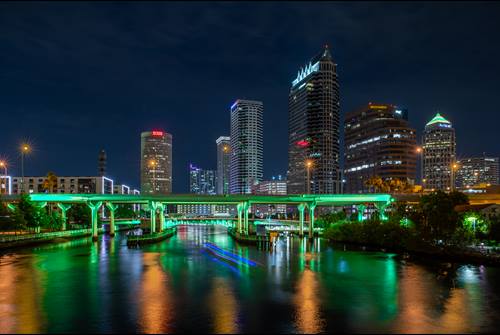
{"x":25,"y":148}
{"x":454,"y":167}
{"x":4,"y":165}
{"x":309,"y":164}
{"x":152,"y":164}
{"x":420,"y":152}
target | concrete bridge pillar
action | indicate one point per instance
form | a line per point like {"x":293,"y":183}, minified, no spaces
{"x":361,"y":209}
{"x":161,"y":208}
{"x":153,"y":205}
{"x":64,"y":208}
{"x":39,"y":205}
{"x":312,"y":207}
{"x":94,"y":209}
{"x":112,"y":208}
{"x":240,"y":207}
{"x":301,"y":208}
{"x":246,"y":206}
{"x":381,"y":210}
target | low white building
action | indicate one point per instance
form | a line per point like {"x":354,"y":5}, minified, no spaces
{"x":95,"y":185}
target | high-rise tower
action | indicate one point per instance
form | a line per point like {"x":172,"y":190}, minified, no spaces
{"x":247,"y":153}
{"x":313,"y":128}
{"x":378,"y":142}
{"x":439,"y":154}
{"x":223,"y":159}
{"x":101,"y":170}
{"x":156,"y":162}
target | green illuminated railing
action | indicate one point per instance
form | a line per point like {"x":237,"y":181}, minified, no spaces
{"x":47,"y":236}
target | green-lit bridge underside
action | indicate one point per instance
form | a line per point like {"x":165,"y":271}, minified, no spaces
{"x":157,"y":203}
{"x":318,"y":199}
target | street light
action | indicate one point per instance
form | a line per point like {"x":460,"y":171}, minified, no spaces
{"x":152,"y":163}
{"x":25,"y":148}
{"x":420,"y":152}
{"x":454,"y":167}
{"x":309,"y":164}
{"x":4,"y":165}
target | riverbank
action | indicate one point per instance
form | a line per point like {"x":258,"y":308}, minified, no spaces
{"x":429,"y":252}
{"x":16,"y":241}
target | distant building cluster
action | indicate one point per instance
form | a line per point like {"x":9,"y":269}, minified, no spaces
{"x":379,"y":142}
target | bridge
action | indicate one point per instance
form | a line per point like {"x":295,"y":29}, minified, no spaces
{"x":157,"y":204}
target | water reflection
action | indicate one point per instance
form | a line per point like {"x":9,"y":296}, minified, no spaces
{"x":20,"y":295}
{"x":156,"y":305}
{"x":176,"y":286}
{"x":307,"y":315}
{"x":224,"y":307}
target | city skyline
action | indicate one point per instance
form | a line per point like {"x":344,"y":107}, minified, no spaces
{"x":424,"y":83}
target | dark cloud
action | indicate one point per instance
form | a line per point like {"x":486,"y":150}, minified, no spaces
{"x":76,"y":77}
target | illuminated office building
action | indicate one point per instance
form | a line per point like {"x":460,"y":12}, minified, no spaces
{"x":247,"y":153}
{"x":378,"y":142}
{"x":473,"y":171}
{"x":223,"y":161}
{"x":313,"y":127}
{"x":438,"y":154}
{"x":156,"y":162}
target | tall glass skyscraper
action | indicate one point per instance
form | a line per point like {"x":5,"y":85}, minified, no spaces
{"x":313,"y":128}
{"x":223,"y":160}
{"x":247,"y":153}
{"x":156,"y":162}
{"x":439,"y":154}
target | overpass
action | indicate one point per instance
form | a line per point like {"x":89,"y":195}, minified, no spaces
{"x":158,"y":203}
{"x":474,"y":199}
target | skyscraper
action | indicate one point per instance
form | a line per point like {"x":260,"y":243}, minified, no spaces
{"x":156,"y":162}
{"x":313,"y":128}
{"x":378,"y":142}
{"x":439,"y":154}
{"x":223,"y":160}
{"x":473,"y":171}
{"x":201,"y":181}
{"x":102,"y":163}
{"x":247,"y":153}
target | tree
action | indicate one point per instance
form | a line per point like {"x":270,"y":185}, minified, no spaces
{"x":79,"y":214}
{"x":31,"y":215}
{"x":7,"y":219}
{"x":50,"y":182}
{"x":124,"y":212}
{"x":439,"y":218}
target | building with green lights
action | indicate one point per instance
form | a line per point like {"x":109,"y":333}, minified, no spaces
{"x":313,"y":128}
{"x":439,"y":154}
{"x":378,"y":142}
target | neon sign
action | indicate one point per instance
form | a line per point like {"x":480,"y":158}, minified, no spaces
{"x":302,"y":143}
{"x":157,"y":133}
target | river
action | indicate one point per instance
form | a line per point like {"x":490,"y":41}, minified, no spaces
{"x":200,"y":280}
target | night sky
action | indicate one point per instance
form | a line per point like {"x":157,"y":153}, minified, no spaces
{"x":78,"y":77}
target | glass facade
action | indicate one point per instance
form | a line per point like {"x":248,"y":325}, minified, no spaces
{"x":313,"y":128}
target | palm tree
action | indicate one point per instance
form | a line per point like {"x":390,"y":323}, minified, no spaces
{"x":375,"y":183}
{"x":50,"y":182}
